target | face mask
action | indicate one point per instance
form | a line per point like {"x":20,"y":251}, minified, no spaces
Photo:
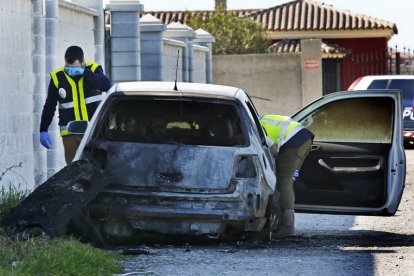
{"x":74,"y":71}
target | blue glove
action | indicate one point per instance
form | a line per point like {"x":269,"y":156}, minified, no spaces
{"x":74,"y":71}
{"x":295,"y":175}
{"x":45,"y":139}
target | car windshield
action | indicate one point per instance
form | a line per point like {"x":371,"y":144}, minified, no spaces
{"x":170,"y":121}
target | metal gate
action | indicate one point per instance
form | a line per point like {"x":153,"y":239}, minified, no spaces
{"x":339,"y":73}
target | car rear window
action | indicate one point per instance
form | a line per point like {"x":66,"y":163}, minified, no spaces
{"x":172,"y":121}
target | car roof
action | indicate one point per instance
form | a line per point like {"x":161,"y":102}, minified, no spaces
{"x":161,"y":88}
{"x":387,"y":77}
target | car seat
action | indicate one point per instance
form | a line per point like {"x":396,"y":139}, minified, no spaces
{"x":219,"y":132}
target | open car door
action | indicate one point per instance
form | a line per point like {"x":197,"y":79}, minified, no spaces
{"x":357,"y":161}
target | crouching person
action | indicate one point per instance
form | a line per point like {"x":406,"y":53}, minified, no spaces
{"x":291,"y":146}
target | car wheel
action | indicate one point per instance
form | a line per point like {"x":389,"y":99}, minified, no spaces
{"x":272,"y":215}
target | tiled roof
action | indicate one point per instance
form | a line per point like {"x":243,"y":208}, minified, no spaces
{"x":299,"y":15}
{"x":310,"y":15}
{"x":294,"y":46}
{"x":183,"y":16}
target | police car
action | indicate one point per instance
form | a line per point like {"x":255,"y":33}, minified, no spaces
{"x":405,"y":83}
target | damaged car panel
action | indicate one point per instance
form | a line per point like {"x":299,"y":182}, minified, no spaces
{"x":51,"y":205}
{"x":181,"y":162}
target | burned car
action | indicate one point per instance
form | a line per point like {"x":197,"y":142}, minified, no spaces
{"x":193,"y":161}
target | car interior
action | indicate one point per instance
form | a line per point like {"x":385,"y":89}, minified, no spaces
{"x":175,"y":122}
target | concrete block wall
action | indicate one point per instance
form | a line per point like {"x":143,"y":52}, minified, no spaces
{"x":277,"y":83}
{"x":162,"y":45}
{"x":199,"y":63}
{"x":173,"y":49}
{"x":80,"y":26}
{"x":151,"y":48}
{"x":16,"y":93}
{"x":273,"y":81}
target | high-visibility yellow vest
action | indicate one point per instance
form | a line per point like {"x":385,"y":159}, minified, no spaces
{"x":77,"y":101}
{"x":280,"y":128}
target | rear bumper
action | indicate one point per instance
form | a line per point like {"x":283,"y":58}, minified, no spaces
{"x":122,"y":213}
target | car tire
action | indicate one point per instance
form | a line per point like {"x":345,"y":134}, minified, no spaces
{"x":273,"y":212}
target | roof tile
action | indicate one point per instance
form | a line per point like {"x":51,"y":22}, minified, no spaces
{"x":298,"y":15}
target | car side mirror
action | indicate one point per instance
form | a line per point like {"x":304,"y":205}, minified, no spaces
{"x":77,"y":127}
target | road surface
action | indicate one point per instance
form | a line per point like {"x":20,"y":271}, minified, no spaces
{"x":324,"y":245}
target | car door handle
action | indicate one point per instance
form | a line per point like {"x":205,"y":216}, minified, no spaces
{"x":349,"y":169}
{"x":315,"y":147}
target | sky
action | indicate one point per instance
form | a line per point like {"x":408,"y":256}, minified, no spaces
{"x":400,"y":12}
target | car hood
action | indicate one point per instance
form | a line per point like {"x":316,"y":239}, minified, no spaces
{"x":158,"y":166}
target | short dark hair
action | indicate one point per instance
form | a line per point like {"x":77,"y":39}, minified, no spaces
{"x":74,"y":53}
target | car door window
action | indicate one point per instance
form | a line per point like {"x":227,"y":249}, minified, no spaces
{"x":353,"y":120}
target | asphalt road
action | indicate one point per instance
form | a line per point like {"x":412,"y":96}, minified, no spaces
{"x":324,"y":245}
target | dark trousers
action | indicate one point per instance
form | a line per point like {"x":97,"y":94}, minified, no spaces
{"x":287,"y":162}
{"x":71,"y":144}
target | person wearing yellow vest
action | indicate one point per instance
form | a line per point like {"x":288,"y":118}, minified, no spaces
{"x":76,"y":88}
{"x":291,"y":144}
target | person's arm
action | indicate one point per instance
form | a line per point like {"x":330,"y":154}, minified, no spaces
{"x":97,"y":79}
{"x":49,"y":108}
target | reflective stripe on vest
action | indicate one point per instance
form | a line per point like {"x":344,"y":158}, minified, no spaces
{"x":88,"y":100}
{"x":280,"y":128}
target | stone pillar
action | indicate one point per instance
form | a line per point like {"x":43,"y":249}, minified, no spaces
{"x":183,"y":33}
{"x":311,"y":62}
{"x":204,"y":38}
{"x":40,"y":88}
{"x":55,"y":156}
{"x":99,"y":34}
{"x":125,"y":40}
{"x":151,"y":48}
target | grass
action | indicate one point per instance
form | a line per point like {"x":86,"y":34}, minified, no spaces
{"x":45,"y":256}
{"x":10,"y":197}
{"x":63,"y":256}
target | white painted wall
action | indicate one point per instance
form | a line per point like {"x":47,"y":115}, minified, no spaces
{"x":170,"y":54}
{"x":199,"y":63}
{"x":16,"y":93}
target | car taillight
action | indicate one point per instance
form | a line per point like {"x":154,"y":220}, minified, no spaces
{"x":352,"y":86}
{"x":245,"y":167}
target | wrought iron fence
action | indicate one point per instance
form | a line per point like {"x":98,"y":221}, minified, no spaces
{"x":340,"y":72}
{"x":401,"y":61}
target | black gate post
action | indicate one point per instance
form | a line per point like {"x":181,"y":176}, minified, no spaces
{"x":397,"y":63}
